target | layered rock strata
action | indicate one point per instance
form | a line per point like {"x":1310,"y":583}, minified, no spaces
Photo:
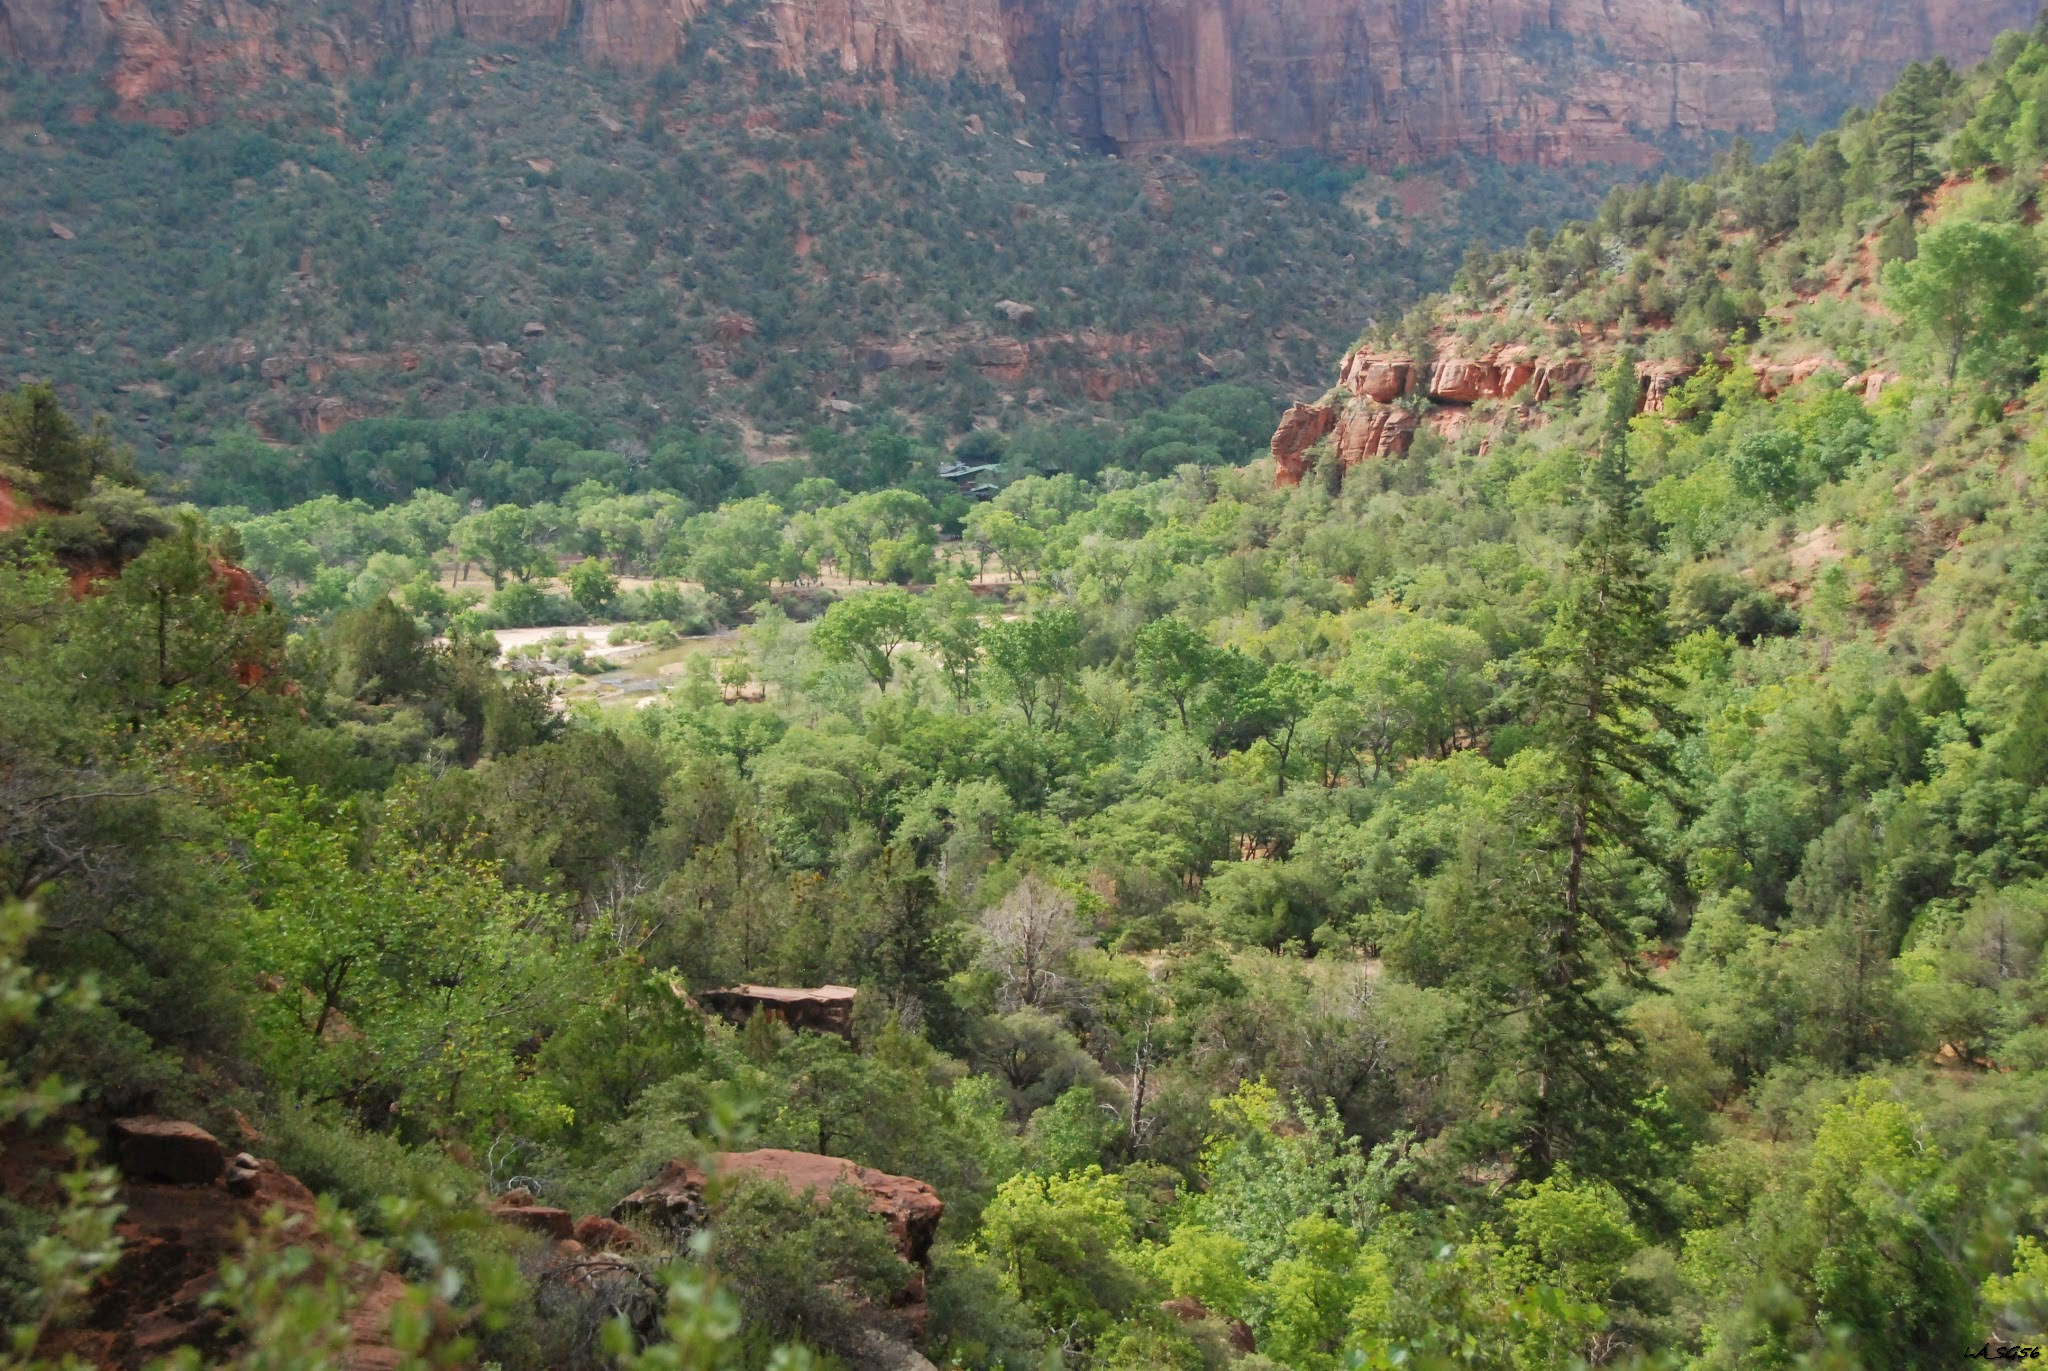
{"x":1548,"y":81}
{"x":1382,"y":399}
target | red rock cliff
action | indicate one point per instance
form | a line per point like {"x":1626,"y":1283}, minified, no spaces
{"x":1527,"y":80}
{"x":206,"y":48}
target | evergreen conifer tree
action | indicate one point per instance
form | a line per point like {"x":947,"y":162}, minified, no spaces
{"x":1909,"y":125}
{"x":42,"y":450}
{"x":1599,"y":691}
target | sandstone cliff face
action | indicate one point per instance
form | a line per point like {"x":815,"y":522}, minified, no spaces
{"x":180,"y":55}
{"x":1550,"y":81}
{"x":1383,"y":399}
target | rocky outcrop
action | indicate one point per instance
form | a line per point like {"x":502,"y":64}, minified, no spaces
{"x":1560,"y":377}
{"x":1775,"y":378}
{"x":1367,"y":430}
{"x":600,"y":1234}
{"x":148,"y":1148}
{"x":1498,"y":373}
{"x":923,"y":37}
{"x":15,"y":510}
{"x":548,"y":1222}
{"x":1301,"y":428}
{"x":1870,"y":384}
{"x":1387,"y":397}
{"x":1380,"y":377}
{"x":675,"y":1201}
{"x":1654,"y":381}
{"x":675,"y":1198}
{"x":1549,"y":81}
{"x":817,"y":1009}
{"x":164,"y":61}
{"x":174,"y":1235}
{"x":1391,"y":395}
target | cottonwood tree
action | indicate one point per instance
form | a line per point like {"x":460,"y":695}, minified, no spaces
{"x":504,"y":542}
{"x":592,"y":585}
{"x":1284,"y":697}
{"x":884,"y":535}
{"x":1036,"y":661}
{"x":869,"y":629}
{"x":1416,"y":688}
{"x":1174,"y":659}
{"x":992,"y":531}
{"x":952,"y":631}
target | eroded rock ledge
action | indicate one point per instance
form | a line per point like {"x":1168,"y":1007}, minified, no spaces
{"x":1383,"y":398}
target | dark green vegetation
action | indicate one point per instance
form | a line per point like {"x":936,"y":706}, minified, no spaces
{"x":1572,"y":894}
{"x":724,"y":243}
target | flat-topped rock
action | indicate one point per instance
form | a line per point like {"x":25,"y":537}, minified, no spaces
{"x":817,"y":1009}
{"x":148,"y":1148}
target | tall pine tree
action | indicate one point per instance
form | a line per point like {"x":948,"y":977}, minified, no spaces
{"x":1908,"y":128}
{"x":1530,"y":925}
{"x":1598,"y":691}
{"x":42,"y":451}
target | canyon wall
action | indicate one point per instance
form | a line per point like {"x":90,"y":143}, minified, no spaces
{"x":172,"y":58}
{"x":1401,"y":81}
{"x":1383,"y":81}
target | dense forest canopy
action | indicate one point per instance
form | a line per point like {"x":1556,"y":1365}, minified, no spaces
{"x":1571,"y":892}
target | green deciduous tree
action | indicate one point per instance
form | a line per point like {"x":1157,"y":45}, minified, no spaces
{"x":504,"y":541}
{"x":1285,"y":696}
{"x":409,"y":977}
{"x":1063,"y":1244}
{"x":1970,"y":291}
{"x":1174,"y":660}
{"x":737,"y":551}
{"x":953,"y":631}
{"x":993,"y":531}
{"x":1415,"y":688}
{"x":884,"y":535}
{"x":1268,"y":1165}
{"x":1035,"y":661}
{"x":1849,"y":1254}
{"x":868,"y":629}
{"x":592,"y":585}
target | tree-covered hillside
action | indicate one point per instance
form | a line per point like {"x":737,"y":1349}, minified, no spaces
{"x":724,"y":242}
{"x":1569,"y":893}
